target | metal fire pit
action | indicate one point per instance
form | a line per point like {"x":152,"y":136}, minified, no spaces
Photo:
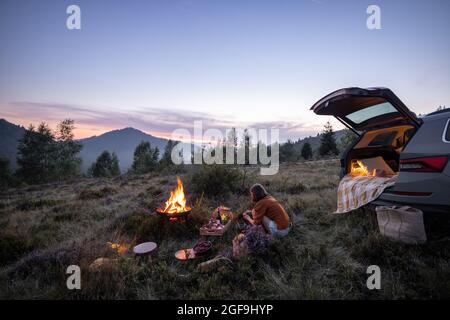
{"x":181,"y":216}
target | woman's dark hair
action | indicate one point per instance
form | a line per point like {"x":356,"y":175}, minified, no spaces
{"x":258,"y":192}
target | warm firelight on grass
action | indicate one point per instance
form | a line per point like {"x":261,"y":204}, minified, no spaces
{"x":119,"y":248}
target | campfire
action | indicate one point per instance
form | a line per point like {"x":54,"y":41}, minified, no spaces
{"x":358,"y":168}
{"x":175,"y":207}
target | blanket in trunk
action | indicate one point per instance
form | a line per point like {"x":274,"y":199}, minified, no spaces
{"x":356,"y":191}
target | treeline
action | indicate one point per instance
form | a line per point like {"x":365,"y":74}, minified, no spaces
{"x":44,"y":156}
{"x":145,"y":159}
{"x":293,"y":151}
{"x":290,"y":151}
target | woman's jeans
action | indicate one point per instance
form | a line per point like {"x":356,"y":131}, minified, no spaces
{"x":271,"y":226}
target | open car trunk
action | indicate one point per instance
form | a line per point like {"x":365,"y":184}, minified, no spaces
{"x":378,"y":150}
{"x":384,"y":126}
{"x":383,"y":123}
{"x":366,"y":109}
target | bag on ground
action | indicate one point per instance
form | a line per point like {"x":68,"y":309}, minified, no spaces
{"x":404,"y":224}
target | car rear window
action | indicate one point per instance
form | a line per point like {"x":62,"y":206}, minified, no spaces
{"x":371,"y":112}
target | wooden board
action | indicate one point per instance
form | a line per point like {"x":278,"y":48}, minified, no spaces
{"x":185,"y":254}
{"x":220,"y":232}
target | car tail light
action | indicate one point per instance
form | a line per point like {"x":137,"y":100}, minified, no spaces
{"x":425,"y":164}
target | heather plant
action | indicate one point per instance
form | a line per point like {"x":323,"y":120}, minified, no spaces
{"x":44,"y":229}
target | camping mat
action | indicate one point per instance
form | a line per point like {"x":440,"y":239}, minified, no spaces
{"x":356,"y":191}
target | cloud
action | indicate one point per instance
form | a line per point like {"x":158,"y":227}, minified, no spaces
{"x":160,"y":122}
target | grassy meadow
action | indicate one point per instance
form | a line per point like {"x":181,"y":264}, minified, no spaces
{"x":45,"y":228}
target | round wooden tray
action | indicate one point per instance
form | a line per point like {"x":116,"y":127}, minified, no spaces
{"x":185,"y":254}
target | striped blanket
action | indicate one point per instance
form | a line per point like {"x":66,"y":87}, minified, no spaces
{"x":356,"y":191}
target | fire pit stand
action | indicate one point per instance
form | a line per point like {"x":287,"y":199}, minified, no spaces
{"x":180,"y":216}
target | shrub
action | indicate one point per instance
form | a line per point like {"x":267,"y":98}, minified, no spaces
{"x":12,"y":247}
{"x":153,"y":190}
{"x":294,"y":188}
{"x":215,"y":180}
{"x":31,"y":204}
{"x":89,"y":194}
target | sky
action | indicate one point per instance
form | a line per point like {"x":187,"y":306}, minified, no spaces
{"x":159,"y":65}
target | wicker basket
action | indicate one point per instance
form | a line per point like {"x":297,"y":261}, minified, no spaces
{"x":219,"y":232}
{"x":220,"y":211}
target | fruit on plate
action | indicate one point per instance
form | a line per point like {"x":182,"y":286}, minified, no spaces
{"x":213,"y":225}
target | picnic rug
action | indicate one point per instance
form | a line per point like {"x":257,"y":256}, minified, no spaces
{"x":356,"y":191}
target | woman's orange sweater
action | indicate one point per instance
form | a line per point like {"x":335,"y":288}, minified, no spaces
{"x":272,"y":209}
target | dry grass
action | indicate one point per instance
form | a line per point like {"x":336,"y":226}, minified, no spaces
{"x":43,"y":229}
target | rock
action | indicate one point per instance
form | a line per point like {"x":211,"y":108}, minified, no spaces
{"x":102,"y":263}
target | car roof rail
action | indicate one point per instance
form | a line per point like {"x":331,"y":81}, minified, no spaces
{"x":439,"y":112}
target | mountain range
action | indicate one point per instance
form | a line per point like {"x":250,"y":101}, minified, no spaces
{"x":122,"y":142}
{"x":10,"y":135}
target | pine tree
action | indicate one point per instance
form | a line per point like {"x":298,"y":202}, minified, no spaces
{"x":246,"y":144}
{"x":107,"y":165}
{"x":145,"y":158}
{"x":68,"y":162}
{"x":328,"y":142}
{"x":37,"y":154}
{"x":166,"y":159}
{"x":287,"y":152}
{"x":232,"y":142}
{"x":115,"y":169}
{"x":307,"y":151}
{"x":5,"y":173}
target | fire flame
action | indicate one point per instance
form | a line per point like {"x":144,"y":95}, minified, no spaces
{"x":359,"y":169}
{"x":177,"y":200}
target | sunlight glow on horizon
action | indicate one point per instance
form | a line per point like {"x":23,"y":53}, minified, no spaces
{"x":83,"y":131}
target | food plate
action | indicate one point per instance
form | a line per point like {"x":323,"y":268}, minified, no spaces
{"x":200,"y":248}
{"x":185,"y":254}
{"x":214,"y":228}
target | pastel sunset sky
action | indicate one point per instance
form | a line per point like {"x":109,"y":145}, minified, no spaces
{"x":159,"y":65}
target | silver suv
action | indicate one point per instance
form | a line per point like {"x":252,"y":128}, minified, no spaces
{"x":417,"y":148}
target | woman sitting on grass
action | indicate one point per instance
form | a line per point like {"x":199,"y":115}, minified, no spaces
{"x":268,"y":212}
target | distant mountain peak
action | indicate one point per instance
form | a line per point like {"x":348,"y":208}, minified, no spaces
{"x":10,"y":133}
{"x":121,"y":141}
{"x":127,"y":130}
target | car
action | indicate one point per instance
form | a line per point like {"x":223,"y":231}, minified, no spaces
{"x":415,"y":148}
